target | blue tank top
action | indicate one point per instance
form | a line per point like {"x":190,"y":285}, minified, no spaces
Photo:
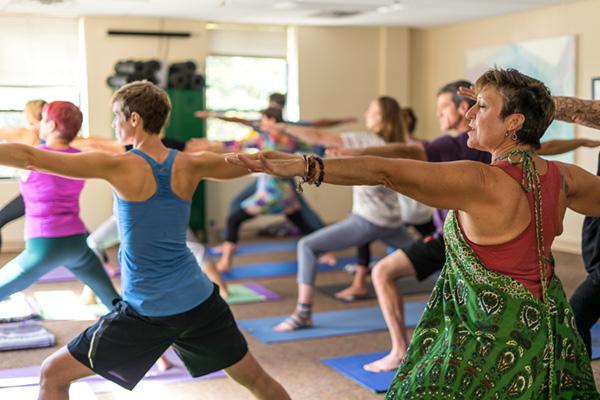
{"x":159,"y":274}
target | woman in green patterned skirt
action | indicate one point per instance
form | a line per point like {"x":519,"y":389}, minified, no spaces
{"x":498,"y":324}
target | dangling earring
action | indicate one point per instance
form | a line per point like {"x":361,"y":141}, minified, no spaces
{"x":507,"y":133}
{"x":514,"y":137}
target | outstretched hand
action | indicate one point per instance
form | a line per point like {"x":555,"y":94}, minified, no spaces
{"x":284,"y":168}
{"x":467,"y":92}
{"x":591,"y":143}
{"x":202,"y":114}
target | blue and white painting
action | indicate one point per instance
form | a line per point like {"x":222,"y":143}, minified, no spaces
{"x":551,"y":60}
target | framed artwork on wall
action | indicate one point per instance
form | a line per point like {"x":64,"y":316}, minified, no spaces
{"x":551,"y":60}
{"x":596,"y":88}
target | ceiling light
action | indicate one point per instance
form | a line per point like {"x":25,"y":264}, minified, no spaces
{"x":395,"y":6}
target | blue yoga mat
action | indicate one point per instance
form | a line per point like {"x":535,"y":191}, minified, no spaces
{"x":278,"y":268}
{"x":352,"y":367}
{"x":595,"y":331}
{"x":330,"y":323}
{"x":262,"y":247}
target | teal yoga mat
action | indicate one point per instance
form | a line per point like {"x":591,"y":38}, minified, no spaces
{"x":330,"y":323}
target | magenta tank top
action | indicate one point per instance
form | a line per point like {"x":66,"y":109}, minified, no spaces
{"x":51,"y":203}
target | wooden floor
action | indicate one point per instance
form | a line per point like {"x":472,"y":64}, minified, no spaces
{"x":295,"y":364}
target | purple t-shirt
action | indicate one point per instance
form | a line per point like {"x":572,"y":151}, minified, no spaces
{"x":51,"y":203}
{"x":451,"y":148}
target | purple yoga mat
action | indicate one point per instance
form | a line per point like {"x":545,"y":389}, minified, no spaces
{"x":176,"y":374}
{"x":263,"y":291}
{"x":61,"y":274}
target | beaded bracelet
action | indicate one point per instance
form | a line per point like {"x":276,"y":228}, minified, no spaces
{"x":310,"y":173}
{"x":322,"y":173}
{"x":306,"y":176}
{"x":312,"y":170}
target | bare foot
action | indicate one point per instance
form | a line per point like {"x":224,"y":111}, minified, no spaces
{"x":352,"y":293}
{"x":387,"y":363}
{"x":163,"y":363}
{"x":293,"y":322}
{"x":328,"y":258}
{"x":87,"y":296}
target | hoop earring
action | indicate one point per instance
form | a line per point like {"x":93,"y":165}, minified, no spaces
{"x":514,"y":137}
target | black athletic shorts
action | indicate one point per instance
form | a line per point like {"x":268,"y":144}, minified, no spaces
{"x":123,"y":345}
{"x":427,"y":255}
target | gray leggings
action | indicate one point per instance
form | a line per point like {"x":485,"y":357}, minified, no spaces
{"x":353,"y":231}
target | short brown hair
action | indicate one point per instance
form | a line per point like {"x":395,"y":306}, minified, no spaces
{"x":273,"y":112}
{"x":148,"y":100}
{"x":525,"y":95}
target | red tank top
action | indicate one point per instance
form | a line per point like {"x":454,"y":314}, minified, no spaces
{"x":518,"y":258}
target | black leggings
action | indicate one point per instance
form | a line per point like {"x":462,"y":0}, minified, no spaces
{"x":13,"y":210}
{"x":585,"y":302}
{"x":236,"y":219}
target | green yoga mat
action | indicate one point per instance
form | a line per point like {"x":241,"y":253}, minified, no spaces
{"x":249,"y":293}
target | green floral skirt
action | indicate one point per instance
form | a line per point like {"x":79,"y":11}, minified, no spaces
{"x":483,"y":335}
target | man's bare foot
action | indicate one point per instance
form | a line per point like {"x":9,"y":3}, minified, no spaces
{"x":387,"y":363}
{"x":293,"y":322}
{"x":352,"y":293}
{"x":87,"y":296}
{"x":328,"y":258}
{"x":163,"y":363}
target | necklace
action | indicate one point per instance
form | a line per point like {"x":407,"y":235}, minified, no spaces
{"x":524,"y":154}
{"x":530,"y":182}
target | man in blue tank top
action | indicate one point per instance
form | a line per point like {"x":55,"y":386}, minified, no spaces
{"x":167,"y":299}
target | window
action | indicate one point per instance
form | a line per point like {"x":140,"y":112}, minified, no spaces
{"x":240,"y":87}
{"x":39,"y":59}
{"x":247,"y":64}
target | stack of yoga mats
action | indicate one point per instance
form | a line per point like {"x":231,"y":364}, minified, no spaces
{"x":24,"y":335}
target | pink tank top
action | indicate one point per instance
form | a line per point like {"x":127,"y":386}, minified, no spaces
{"x":518,"y":258}
{"x":51,"y":203}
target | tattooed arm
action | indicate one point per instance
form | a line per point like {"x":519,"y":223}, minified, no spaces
{"x":578,"y":111}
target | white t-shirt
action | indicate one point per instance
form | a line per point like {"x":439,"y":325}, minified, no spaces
{"x":413,"y":212}
{"x":376,"y":204}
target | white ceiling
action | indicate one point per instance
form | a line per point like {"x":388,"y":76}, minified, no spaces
{"x":408,"y":13}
